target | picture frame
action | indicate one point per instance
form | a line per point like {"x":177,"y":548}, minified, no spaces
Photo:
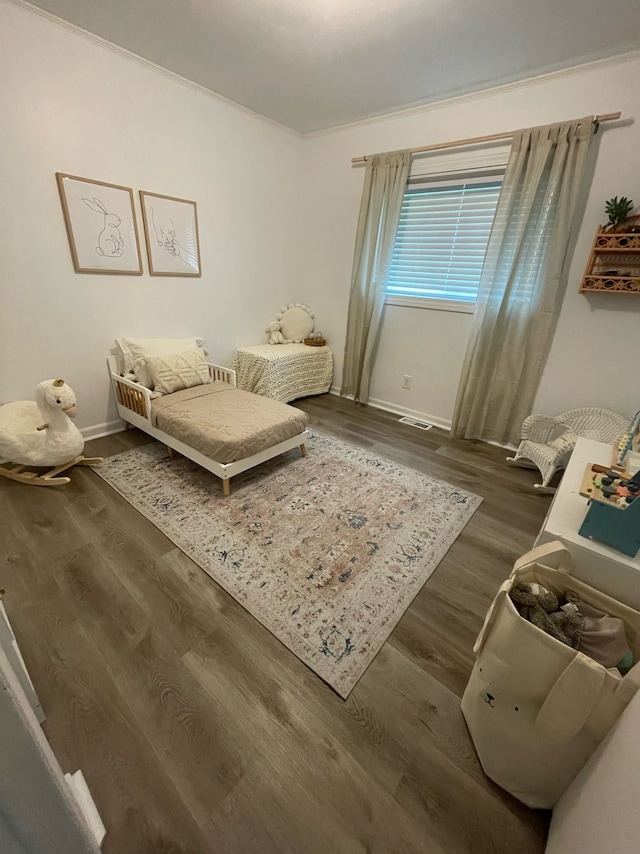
{"x":101,"y":226}
{"x":171,"y":235}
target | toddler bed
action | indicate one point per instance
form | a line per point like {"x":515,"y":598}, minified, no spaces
{"x":218,"y":426}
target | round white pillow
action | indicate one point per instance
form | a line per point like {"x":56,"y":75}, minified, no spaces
{"x":296,"y":323}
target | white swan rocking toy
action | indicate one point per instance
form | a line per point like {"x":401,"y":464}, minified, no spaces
{"x":40,"y":434}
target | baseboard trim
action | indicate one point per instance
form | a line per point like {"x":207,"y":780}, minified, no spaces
{"x":443,"y":423}
{"x":97,"y":431}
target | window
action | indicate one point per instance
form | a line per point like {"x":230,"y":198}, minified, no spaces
{"x":441,"y":241}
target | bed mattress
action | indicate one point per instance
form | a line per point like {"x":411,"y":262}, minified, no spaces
{"x":225,"y":423}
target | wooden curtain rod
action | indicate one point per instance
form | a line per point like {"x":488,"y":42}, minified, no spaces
{"x":606,"y":117}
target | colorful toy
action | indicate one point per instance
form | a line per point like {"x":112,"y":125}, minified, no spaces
{"x":614,"y":508}
{"x":630,"y":441}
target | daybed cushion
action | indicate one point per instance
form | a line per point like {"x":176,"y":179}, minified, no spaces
{"x":225,"y":423}
{"x":176,"y":371}
{"x":136,"y":350}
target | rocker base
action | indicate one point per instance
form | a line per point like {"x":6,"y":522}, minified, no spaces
{"x":21,"y":474}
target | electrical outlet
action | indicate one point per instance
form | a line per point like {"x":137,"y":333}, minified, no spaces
{"x":406,"y":381}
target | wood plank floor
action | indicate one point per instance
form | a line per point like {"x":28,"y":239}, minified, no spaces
{"x":199,"y":733}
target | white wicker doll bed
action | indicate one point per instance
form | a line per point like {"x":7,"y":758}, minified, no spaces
{"x":134,"y":407}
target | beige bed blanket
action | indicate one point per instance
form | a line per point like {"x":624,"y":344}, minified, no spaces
{"x":225,"y":423}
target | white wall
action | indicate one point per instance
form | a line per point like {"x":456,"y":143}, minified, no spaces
{"x":595,"y":334}
{"x":70,"y":104}
{"x":277,"y":222}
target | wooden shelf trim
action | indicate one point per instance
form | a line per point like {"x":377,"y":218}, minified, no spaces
{"x":611,"y":284}
{"x":615,"y":250}
{"x":617,"y":243}
{"x":606,"y":246}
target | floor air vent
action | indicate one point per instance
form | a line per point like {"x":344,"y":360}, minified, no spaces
{"x":413,"y":422}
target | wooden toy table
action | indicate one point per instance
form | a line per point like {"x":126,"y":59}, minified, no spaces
{"x":599,"y":565}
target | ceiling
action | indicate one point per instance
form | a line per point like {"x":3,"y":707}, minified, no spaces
{"x":316,"y":64}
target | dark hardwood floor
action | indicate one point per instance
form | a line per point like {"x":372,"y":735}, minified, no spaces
{"x":199,"y":733}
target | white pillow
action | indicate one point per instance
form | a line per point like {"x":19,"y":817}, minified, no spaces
{"x":295,"y":323}
{"x":135,"y":350}
{"x":176,"y":371}
{"x":565,"y":441}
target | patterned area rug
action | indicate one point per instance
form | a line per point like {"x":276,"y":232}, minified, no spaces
{"x":327,"y":551}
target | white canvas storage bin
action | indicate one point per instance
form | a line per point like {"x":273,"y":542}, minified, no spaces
{"x":536,"y":708}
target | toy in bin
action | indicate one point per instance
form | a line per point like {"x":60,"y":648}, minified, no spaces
{"x":614,"y":509}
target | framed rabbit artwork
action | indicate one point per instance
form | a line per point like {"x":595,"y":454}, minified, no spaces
{"x":171,"y":234}
{"x":101,"y":226}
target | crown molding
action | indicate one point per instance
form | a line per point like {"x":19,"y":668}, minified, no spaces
{"x":466,"y":97}
{"x":147,"y":64}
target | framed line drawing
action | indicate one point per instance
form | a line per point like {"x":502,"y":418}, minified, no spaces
{"x":171,"y":234}
{"x":101,"y":226}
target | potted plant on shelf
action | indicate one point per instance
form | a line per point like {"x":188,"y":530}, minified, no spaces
{"x":618,"y":210}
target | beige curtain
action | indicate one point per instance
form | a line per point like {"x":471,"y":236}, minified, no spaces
{"x":523,"y":280}
{"x":384,"y":186}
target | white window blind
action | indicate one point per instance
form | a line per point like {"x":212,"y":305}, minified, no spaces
{"x":442,"y":239}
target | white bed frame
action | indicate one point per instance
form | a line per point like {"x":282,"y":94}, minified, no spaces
{"x":134,"y":407}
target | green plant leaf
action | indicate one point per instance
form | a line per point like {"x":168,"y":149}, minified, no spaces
{"x":618,"y":209}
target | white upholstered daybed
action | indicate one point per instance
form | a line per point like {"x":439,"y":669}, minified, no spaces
{"x":218,"y":426}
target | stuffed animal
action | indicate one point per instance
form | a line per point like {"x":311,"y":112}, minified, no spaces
{"x":40,"y":433}
{"x":274,"y":333}
{"x":541,"y":607}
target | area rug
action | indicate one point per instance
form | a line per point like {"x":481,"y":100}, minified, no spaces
{"x":327,"y":551}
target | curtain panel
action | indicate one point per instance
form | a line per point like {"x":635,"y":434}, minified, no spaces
{"x":384,"y":186}
{"x":523,"y":280}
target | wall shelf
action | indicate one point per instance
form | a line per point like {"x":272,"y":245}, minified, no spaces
{"x":614,"y":263}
